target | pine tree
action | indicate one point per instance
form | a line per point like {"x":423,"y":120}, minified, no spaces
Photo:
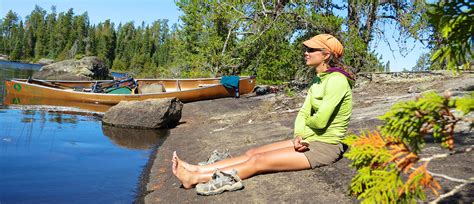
{"x":51,"y":20}
{"x":10,"y":25}
{"x":18,"y":39}
{"x":63,"y":34}
{"x":105,"y":39}
{"x":79,"y":34}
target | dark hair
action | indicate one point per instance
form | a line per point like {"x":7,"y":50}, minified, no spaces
{"x":333,"y":61}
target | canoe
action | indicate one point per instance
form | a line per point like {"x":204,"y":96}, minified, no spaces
{"x":72,"y":92}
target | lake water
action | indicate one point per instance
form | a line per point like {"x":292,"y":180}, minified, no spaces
{"x":52,"y":157}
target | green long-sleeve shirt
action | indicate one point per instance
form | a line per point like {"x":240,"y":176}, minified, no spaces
{"x":326,"y":110}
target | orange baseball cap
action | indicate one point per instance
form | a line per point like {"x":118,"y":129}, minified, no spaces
{"x":326,"y":41}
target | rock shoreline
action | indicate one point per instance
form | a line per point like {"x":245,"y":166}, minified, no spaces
{"x":239,"y":124}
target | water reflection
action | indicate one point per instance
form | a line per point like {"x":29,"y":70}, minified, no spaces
{"x":12,"y":100}
{"x":42,"y":152}
{"x":134,"y":138}
{"x":26,"y":125}
{"x":29,"y":117}
{"x":63,"y":118}
{"x":34,"y":122}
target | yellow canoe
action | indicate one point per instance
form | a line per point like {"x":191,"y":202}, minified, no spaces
{"x":71,"y":93}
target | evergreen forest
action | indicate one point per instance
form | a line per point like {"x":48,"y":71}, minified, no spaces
{"x":262,"y":38}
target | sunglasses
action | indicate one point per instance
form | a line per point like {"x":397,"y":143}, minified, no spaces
{"x":311,"y":50}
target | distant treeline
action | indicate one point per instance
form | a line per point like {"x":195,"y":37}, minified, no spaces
{"x":66,"y":35}
{"x":215,"y":37}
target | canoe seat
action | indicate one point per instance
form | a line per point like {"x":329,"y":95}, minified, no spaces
{"x":151,"y":88}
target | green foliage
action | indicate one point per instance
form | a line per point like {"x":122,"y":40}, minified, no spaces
{"x":465,"y":104}
{"x":410,"y":121}
{"x":454,"y":23}
{"x":366,"y":22}
{"x":423,"y":63}
{"x":262,"y":39}
{"x":119,"y":65}
{"x":377,"y":186}
{"x":79,"y":56}
{"x":214,"y":38}
{"x":380,"y":160}
{"x":105,"y":41}
{"x":366,"y":150}
{"x":289,"y":92}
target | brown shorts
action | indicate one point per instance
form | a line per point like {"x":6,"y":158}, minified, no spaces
{"x":322,"y":154}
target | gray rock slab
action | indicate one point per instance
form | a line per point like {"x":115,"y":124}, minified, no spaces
{"x":148,"y":114}
{"x":45,"y":61}
{"x":250,"y":121}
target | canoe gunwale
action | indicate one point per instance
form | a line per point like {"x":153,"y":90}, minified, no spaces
{"x":141,"y":79}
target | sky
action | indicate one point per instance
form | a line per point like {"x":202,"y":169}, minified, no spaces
{"x":148,"y":11}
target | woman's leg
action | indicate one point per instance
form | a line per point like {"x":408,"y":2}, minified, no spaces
{"x":283,"y":159}
{"x":238,"y":159}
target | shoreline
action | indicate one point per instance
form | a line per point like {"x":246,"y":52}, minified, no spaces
{"x":144,"y":177}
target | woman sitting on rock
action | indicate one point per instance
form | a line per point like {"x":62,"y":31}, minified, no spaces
{"x":319,"y":128}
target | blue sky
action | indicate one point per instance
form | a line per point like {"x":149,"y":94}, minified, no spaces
{"x":150,"y":10}
{"x":100,"y":10}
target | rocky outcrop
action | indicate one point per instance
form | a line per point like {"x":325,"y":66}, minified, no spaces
{"x":3,"y":57}
{"x":421,"y":76}
{"x":45,"y":61}
{"x":87,"y":68}
{"x":251,"y":121}
{"x":148,"y":114}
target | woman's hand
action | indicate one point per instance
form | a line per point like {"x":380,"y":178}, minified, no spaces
{"x":299,"y":147}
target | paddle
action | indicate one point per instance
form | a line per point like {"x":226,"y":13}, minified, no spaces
{"x":47,"y":83}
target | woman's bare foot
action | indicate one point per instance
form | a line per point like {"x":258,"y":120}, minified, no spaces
{"x":188,"y":166}
{"x":186,"y":177}
{"x":174,"y":167}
